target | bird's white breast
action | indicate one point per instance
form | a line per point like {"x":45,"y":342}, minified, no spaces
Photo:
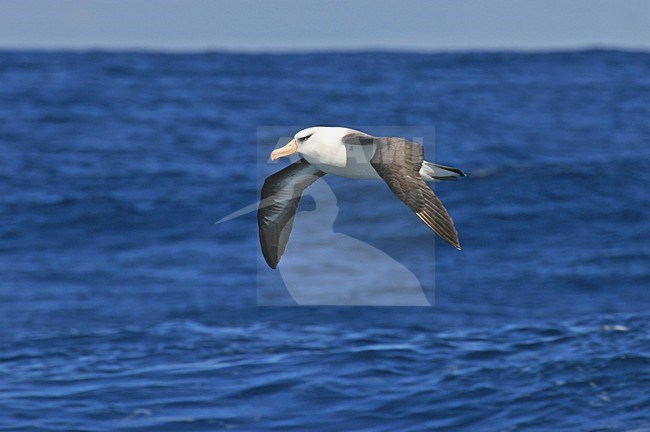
{"x":345,"y":160}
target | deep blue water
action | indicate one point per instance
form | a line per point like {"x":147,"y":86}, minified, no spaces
{"x":124,"y":307}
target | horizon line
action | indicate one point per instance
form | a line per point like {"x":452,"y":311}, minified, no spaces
{"x":327,"y":50}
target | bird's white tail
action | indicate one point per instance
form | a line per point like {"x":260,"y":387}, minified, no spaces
{"x":431,"y":171}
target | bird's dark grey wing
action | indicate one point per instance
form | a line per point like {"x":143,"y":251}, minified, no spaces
{"x":398,"y":163}
{"x":280,"y":197}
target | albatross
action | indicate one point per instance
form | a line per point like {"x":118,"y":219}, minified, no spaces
{"x":350,"y":153}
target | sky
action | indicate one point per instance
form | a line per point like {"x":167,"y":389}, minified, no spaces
{"x":303,"y":25}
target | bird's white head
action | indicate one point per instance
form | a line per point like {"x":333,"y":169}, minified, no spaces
{"x":314,"y":141}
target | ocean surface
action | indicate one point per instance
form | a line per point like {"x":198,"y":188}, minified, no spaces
{"x":123,"y":306}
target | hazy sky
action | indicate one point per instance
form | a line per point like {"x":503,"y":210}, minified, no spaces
{"x":324,"y":24}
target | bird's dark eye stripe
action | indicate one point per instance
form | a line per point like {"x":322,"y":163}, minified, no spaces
{"x":305,"y":137}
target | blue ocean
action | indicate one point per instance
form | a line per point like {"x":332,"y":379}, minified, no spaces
{"x":124,"y":307}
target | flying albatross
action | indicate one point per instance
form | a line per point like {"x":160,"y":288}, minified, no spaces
{"x":353,"y":154}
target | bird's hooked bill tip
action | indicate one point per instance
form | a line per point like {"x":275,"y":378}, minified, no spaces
{"x":287,"y":150}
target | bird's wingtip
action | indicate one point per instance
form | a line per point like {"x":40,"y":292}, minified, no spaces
{"x":272,"y":263}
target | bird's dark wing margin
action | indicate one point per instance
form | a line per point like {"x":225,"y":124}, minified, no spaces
{"x":398,"y":162}
{"x":280,"y":197}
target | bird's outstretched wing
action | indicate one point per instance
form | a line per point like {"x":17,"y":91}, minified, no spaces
{"x":280,"y":197}
{"x":398,"y":163}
